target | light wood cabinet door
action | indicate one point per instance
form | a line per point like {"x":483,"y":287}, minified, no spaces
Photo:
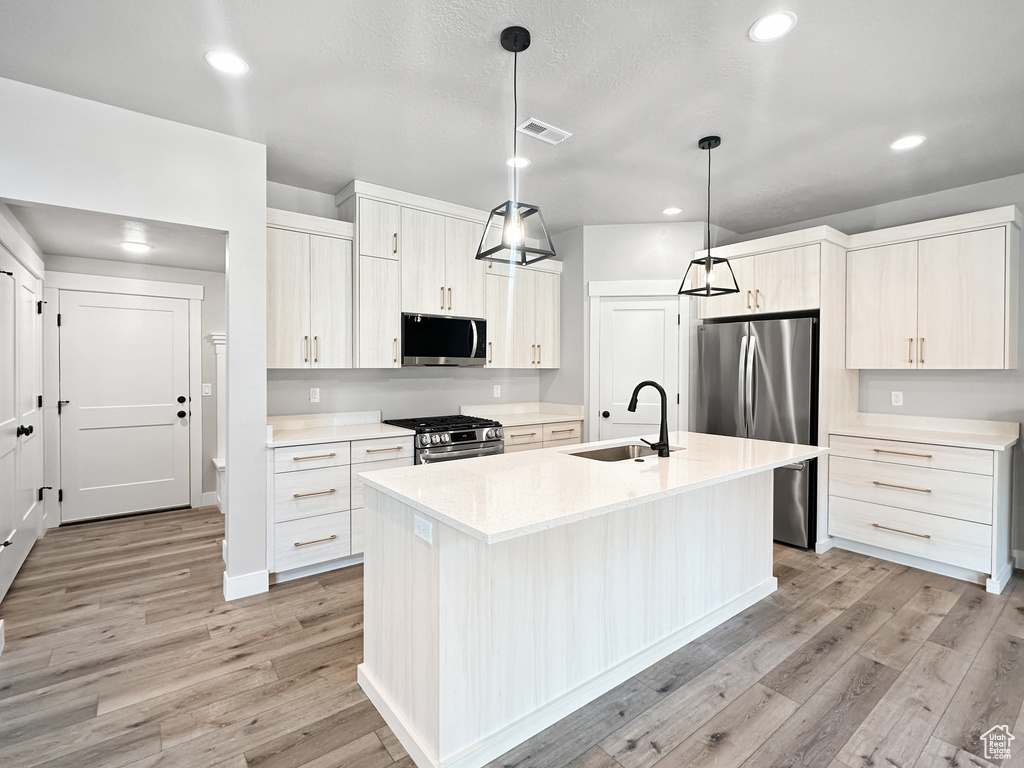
{"x":524,"y":318}
{"x":380,"y":313}
{"x":961,"y":293}
{"x":379,"y":229}
{"x":288,"y":334}
{"x":546,"y":301}
{"x":464,"y":274}
{"x":881,"y":307}
{"x":423,"y":278}
{"x":499,"y":321}
{"x":330,"y":301}
{"x":787,"y":281}
{"x":731,"y":304}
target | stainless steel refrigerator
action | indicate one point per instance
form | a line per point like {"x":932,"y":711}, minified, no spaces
{"x":758,"y":379}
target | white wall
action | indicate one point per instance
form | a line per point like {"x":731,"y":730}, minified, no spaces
{"x":213,"y":321}
{"x":298,"y":200}
{"x":61,"y":150}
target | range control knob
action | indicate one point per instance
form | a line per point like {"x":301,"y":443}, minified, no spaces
{"x":490,"y":434}
{"x":446,"y":438}
{"x":498,"y":432}
{"x":424,"y":439}
{"x":435,"y":439}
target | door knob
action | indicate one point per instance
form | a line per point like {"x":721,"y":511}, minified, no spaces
{"x":605,"y":414}
{"x":23,"y":430}
{"x":181,"y":414}
{"x":181,"y":398}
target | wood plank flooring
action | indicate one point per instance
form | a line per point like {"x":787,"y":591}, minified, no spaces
{"x":122,"y":653}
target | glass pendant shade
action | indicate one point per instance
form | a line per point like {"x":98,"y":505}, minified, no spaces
{"x":515,"y":234}
{"x":706,"y":276}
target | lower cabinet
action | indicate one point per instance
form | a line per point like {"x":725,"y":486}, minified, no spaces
{"x":944,"y":504}
{"x":317,"y":498}
{"x":532,"y":436}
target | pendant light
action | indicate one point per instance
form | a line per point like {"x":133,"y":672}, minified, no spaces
{"x":705,"y":266}
{"x":524,"y":238}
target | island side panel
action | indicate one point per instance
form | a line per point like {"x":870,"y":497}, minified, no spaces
{"x":400,"y":637}
{"x":534,"y":627}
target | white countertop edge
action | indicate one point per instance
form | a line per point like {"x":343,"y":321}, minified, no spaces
{"x":348,"y":432}
{"x":992,"y":442}
{"x":513,"y":533}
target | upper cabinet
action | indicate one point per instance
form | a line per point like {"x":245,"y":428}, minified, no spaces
{"x":379,"y":225}
{"x":523,"y":316}
{"x":464,"y":275}
{"x":440,"y":272}
{"x":943,"y":302}
{"x":778,"y":281}
{"x":309,"y":292}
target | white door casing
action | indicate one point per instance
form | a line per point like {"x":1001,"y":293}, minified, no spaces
{"x":638,"y":339}
{"x":124,"y":363}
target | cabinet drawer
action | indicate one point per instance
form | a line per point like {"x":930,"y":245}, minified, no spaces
{"x":358,"y":531}
{"x":357,"y":483}
{"x":314,"y":492}
{"x":310,"y":457}
{"x":563,"y":430}
{"x":567,"y":441}
{"x":522,"y":447}
{"x":972,"y":460}
{"x":937,"y":491}
{"x":956,"y":542}
{"x":528,"y":433}
{"x":382,"y":449}
{"x":311,"y":540}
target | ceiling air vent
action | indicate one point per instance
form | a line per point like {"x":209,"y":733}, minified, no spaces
{"x":543,"y":131}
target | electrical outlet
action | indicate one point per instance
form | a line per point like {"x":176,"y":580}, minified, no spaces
{"x":207,"y":390}
{"x":424,"y":529}
{"x":897,"y":398}
{"x":497,"y":390}
{"x":314,"y":394}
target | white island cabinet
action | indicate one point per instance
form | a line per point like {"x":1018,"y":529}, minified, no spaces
{"x":502,"y":593}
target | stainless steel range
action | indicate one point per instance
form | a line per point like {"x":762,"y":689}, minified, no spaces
{"x":446,"y":438}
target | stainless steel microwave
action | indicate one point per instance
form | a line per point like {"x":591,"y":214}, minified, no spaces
{"x":433,"y":340}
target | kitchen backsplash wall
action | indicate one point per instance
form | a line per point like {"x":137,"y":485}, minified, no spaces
{"x":399,"y":393}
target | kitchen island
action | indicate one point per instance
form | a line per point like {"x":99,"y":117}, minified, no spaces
{"x":502,"y":593}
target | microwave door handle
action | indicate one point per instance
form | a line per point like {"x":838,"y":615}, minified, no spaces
{"x":472,"y":348}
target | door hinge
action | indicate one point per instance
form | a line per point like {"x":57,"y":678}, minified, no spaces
{"x":44,"y":488}
{"x":39,"y":401}
{"x":60,"y":495}
{"x":58,"y":319}
{"x":39,"y":307}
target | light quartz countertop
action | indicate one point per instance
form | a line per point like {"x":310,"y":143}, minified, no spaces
{"x":520,"y":414}
{"x":959,"y":433}
{"x":494,"y":498}
{"x":311,"y":428}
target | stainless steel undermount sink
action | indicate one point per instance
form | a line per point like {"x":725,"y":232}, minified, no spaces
{"x":620,"y":452}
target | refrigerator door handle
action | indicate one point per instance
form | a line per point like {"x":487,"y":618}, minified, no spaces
{"x":748,"y":390}
{"x":741,"y":385}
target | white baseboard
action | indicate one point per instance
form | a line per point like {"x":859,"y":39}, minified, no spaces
{"x":314,"y":570}
{"x":499,"y":742}
{"x":824,"y":545}
{"x":209,"y":498}
{"x":246,"y":584}
{"x":932,"y":566}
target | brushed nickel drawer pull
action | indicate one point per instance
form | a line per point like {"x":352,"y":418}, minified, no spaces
{"x":902,"y":487}
{"x":318,"y":456}
{"x":442,"y":297}
{"x":395,"y":250}
{"x":316,"y":347}
{"x":897,"y":530}
{"x":904,"y":453}
{"x":748,"y":300}
{"x":920,"y":350}
{"x":306,"y":358}
{"x":538,"y":354}
{"x":332,"y":537}
{"x":559,"y":431}
{"x":524,"y":434}
{"x":910,"y":352}
{"x":757,"y":298}
{"x":449,"y":299}
{"x":490,"y":349}
{"x":315,"y":493}
{"x":384,"y":450}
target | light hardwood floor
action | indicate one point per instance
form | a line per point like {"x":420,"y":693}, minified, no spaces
{"x":121,"y":652}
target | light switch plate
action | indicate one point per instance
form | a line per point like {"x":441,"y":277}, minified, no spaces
{"x":897,"y":398}
{"x":207,"y":390}
{"x":314,"y":394}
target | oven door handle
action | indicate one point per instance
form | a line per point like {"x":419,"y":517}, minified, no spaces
{"x":427,"y":456}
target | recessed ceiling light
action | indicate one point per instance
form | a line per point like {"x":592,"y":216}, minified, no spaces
{"x":772,"y":27}
{"x":672,"y":211}
{"x":136,"y":248}
{"x":517,"y":162}
{"x":226,"y":62}
{"x":907,"y":142}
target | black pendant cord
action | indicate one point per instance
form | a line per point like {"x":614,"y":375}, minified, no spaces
{"x":515,"y":121}
{"x":709,"y":211}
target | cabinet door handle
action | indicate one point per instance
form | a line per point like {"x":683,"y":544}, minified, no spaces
{"x":396,"y":244}
{"x":332,"y":537}
{"x":901,"y":487}
{"x":897,"y":530}
{"x":757,"y":298}
{"x":910,"y":350}
{"x":748,"y":300}
{"x":328,"y":492}
{"x":920,"y":348}
{"x":533,"y":354}
{"x":449,"y":299}
{"x":384,"y":450}
{"x":490,"y":351}
{"x":538,"y":354}
{"x":316,"y":349}
{"x":442,"y":297}
{"x":396,"y":350}
{"x":306,"y":359}
{"x":904,"y":453}
{"x":318,"y":456}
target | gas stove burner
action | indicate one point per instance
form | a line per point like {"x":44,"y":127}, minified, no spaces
{"x":444,"y":438}
{"x":443,"y":423}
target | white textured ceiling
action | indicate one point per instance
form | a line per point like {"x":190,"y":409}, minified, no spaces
{"x":416,"y":94}
{"x":92,"y":235}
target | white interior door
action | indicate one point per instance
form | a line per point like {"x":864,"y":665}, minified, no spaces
{"x":21,"y":456}
{"x":639,"y":340}
{"x":124,"y":374}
